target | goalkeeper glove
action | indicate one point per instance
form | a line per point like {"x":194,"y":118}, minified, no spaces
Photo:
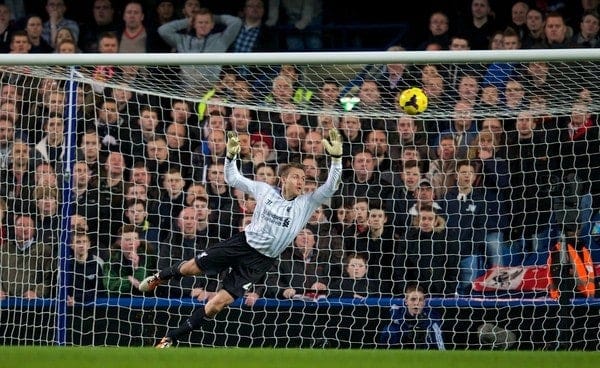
{"x":233,"y":145}
{"x":333,"y":146}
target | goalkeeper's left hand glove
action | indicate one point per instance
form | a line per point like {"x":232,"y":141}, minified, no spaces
{"x":233,"y":145}
{"x":335,"y":147}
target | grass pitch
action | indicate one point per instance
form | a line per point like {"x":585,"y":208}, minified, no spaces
{"x":83,"y":357}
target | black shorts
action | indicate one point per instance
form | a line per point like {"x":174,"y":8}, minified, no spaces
{"x":245,"y":264}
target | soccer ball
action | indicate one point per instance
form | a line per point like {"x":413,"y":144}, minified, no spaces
{"x":413,"y":101}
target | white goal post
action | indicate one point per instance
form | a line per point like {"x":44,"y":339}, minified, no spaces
{"x":498,"y":292}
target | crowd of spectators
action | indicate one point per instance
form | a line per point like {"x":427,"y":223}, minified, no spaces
{"x":433,"y":202}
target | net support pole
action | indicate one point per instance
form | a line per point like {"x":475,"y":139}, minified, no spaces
{"x":64,"y":269}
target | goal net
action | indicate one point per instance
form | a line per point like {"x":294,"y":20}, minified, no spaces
{"x":473,"y":225}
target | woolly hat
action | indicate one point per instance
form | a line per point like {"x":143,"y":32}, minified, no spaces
{"x":258,"y":137}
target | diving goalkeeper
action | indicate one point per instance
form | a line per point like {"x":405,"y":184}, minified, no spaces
{"x":278,"y":218}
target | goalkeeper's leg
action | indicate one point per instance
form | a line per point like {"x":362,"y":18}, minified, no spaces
{"x":184,"y":268}
{"x":221,"y":300}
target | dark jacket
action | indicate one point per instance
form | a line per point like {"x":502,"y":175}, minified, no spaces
{"x":429,"y":258}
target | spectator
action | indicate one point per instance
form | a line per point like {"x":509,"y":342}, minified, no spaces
{"x":172,"y":199}
{"x":289,"y":147}
{"x":530,"y":200}
{"x":67,"y":47}
{"x":7,"y":138}
{"x":135,"y":36}
{"x":254,"y":35}
{"x":111,"y":187}
{"x":463,"y":128}
{"x":326,"y":121}
{"x":6,"y":28}
{"x":19,"y":43}
{"x":103,"y":21}
{"x":56,"y":10}
{"x":221,"y":197}
{"x":355,"y":235}
{"x":405,"y":185}
{"x":34,"y":31}
{"x":89,"y":152}
{"x":51,"y":147}
{"x":149,"y":125}
{"x":535,"y":29}
{"x":14,"y":177}
{"x":64,"y":34}
{"x":215,"y":142}
{"x":479,"y":27}
{"x":141,"y":175}
{"x":136,"y":214}
{"x":370,"y":94}
{"x":588,"y":30}
{"x":414,"y":325}
{"x":555,"y":31}
{"x":496,"y":40}
{"x":262,"y":151}
{"x":518,"y":19}
{"x":202,"y":40}
{"x":131,"y":260}
{"x":380,"y":247}
{"x":329,"y":241}
{"x":190,"y":7}
{"x":376,"y":142}
{"x":468,"y":88}
{"x":304,"y":18}
{"x":439,"y":26}
{"x":351,"y":130}
{"x":302,"y":271}
{"x":313,"y":145}
{"x":497,"y":74}
{"x":453,"y":73}
{"x":428,"y":256}
{"x":43,"y":175}
{"x":265,"y":173}
{"x":575,"y":137}
{"x":364,"y":181}
{"x":164,"y":12}
{"x":393,"y":78}
{"x":489,"y":101}
{"x":354,"y":282}
{"x":86,"y":196}
{"x":328,"y":95}
{"x":47,"y":218}
{"x":242,"y":120}
{"x":513,"y":99}
{"x":442,"y":170}
{"x":435,"y":87}
{"x":192,"y":233}
{"x":409,"y":133}
{"x":312,"y":168}
{"x":425,"y":196}
{"x":87,"y":283}
{"x":27,"y":266}
{"x":179,"y":146}
{"x":469,"y":209}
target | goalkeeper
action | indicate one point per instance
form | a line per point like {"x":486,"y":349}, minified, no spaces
{"x":278,"y":218}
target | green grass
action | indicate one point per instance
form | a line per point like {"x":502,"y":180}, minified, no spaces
{"x":67,"y":357}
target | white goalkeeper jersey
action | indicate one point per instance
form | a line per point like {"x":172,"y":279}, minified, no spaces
{"x":276,"y":222}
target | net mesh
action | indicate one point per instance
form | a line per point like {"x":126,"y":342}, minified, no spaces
{"x":476,"y":200}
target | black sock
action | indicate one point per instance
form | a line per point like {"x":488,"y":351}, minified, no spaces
{"x":170,"y":272}
{"x":193,"y":323}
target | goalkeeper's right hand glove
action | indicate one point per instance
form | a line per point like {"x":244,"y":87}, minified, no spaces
{"x":335,"y":147}
{"x":233,"y":145}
